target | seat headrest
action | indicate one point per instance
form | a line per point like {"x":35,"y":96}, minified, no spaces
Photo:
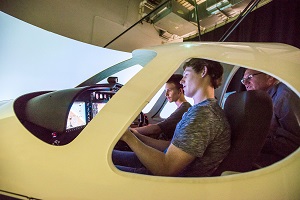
{"x":249,"y":111}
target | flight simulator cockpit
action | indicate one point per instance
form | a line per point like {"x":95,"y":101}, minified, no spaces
{"x":57,"y":117}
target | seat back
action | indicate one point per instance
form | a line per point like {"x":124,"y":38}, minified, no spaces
{"x":249,"y":114}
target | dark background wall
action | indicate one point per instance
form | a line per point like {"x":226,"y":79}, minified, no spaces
{"x":278,"y":21}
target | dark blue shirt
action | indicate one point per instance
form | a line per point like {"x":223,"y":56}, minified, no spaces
{"x":284,"y":137}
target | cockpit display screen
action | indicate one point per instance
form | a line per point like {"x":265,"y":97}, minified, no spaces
{"x":77,"y":115}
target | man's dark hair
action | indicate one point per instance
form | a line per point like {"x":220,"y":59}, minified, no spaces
{"x":214,"y":69}
{"x":175,"y":78}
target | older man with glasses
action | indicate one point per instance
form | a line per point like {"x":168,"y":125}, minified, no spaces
{"x":284,"y":134}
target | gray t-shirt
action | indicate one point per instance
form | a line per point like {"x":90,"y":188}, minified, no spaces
{"x":203,"y":132}
{"x":168,"y":125}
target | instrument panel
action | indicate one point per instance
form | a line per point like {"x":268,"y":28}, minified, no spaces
{"x":58,"y":117}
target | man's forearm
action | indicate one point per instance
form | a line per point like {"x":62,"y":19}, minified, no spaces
{"x":151,"y":129}
{"x":151,"y":158}
{"x":159,"y":163}
{"x":160,"y":145}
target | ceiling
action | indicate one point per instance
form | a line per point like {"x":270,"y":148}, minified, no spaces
{"x":145,"y":22}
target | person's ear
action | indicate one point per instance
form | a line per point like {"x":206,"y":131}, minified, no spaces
{"x":204,"y":72}
{"x":271,"y":80}
{"x":181,"y":90}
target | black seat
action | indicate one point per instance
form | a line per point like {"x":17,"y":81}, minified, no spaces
{"x":249,"y":114}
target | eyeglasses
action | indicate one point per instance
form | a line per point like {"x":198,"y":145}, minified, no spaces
{"x":248,"y":78}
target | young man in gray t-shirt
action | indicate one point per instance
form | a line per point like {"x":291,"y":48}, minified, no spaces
{"x":201,"y":140}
